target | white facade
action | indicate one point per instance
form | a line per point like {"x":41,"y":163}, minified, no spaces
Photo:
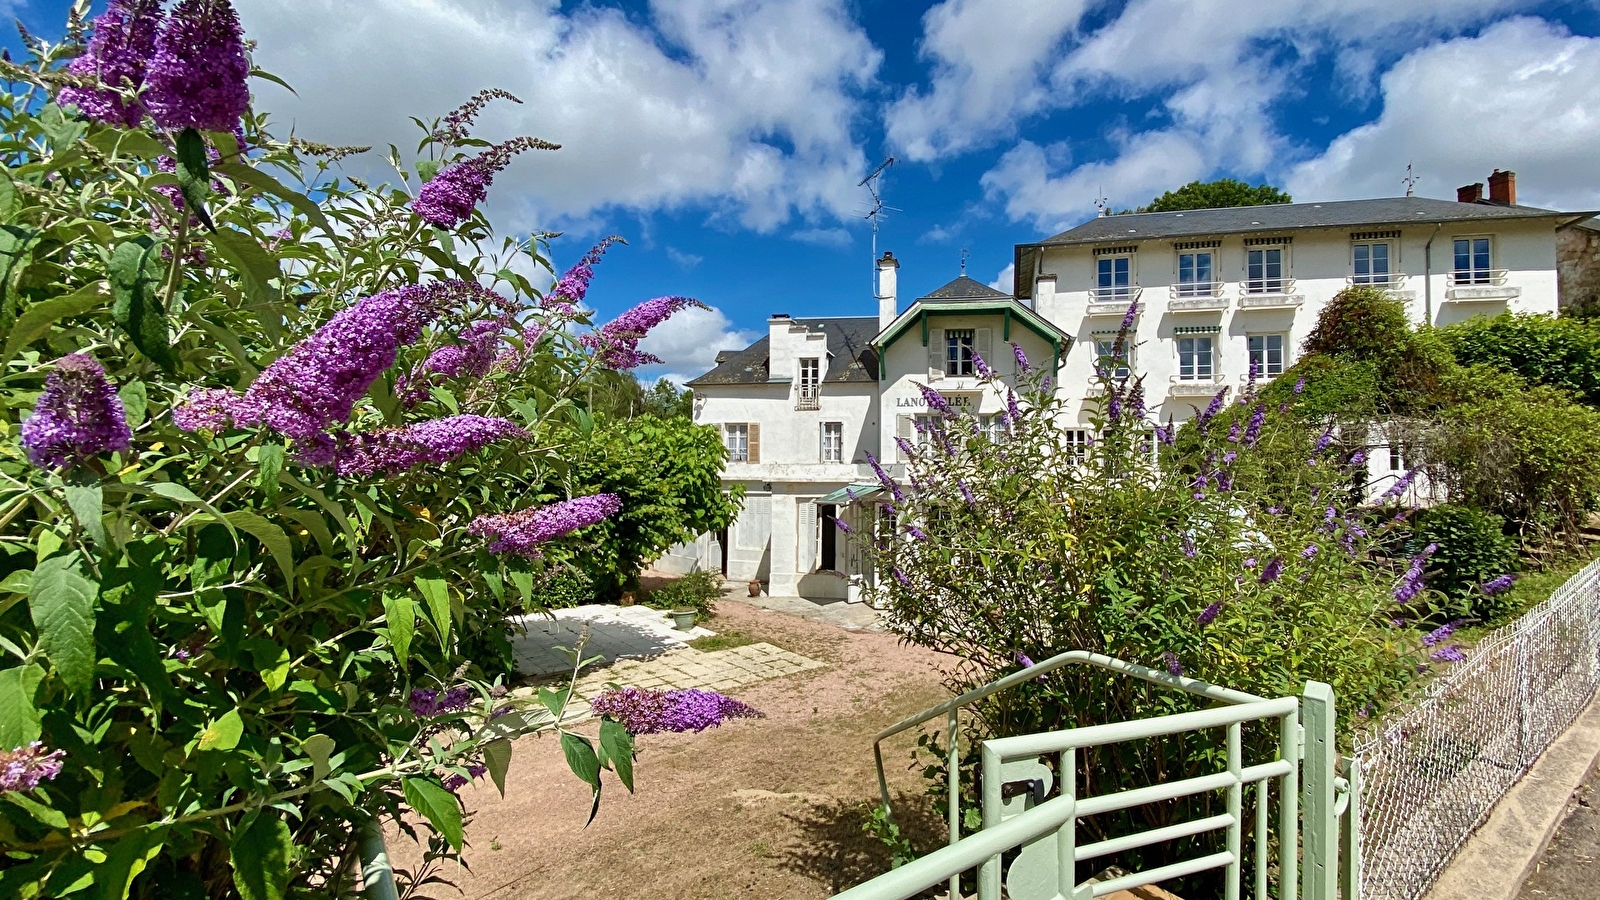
{"x":802,"y":409}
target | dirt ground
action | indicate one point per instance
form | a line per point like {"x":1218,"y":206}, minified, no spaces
{"x":1570,"y":866}
{"x":768,"y":808}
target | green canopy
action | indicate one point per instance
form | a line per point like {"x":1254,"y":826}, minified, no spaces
{"x":861,"y":490}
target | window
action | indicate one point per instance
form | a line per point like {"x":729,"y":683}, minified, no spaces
{"x":1264,"y":270}
{"x":1266,"y":355}
{"x":1120,"y":365}
{"x":1195,"y":275}
{"x":832,"y":442}
{"x":1472,"y":261}
{"x":994,"y":426}
{"x":925,"y":426}
{"x":1397,"y":456}
{"x":1114,"y":278}
{"x":1078,"y":441}
{"x":958,"y":351}
{"x":810,"y":382}
{"x":1370,"y":263}
{"x":1195,"y":358}
{"x":743,"y":440}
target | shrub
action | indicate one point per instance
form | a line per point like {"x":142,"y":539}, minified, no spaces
{"x":698,"y":591}
{"x":1472,"y":548}
{"x":1560,"y":352}
{"x":1365,"y":325}
{"x":566,"y":588}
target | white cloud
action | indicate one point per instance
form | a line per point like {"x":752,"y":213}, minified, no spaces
{"x":823,"y":237}
{"x":1523,"y":96}
{"x":938,"y":234}
{"x":688,"y":344}
{"x":716,"y":105}
{"x":1006,"y":280}
{"x":684,"y":260}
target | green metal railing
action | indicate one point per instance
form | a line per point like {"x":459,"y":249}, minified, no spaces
{"x":1322,"y":858}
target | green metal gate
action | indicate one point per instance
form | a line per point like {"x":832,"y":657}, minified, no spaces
{"x":1318,"y":809}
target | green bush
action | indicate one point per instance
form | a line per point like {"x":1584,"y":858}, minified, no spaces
{"x":1560,"y":352}
{"x":698,"y":591}
{"x":1472,"y":548}
{"x":566,"y":588}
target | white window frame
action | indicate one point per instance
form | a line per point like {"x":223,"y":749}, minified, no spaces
{"x":1385,"y":277}
{"x":1473,"y":274}
{"x":959,"y":346}
{"x":922,"y":438}
{"x":1191,"y":371}
{"x":736,"y":437}
{"x":1102,"y":352}
{"x":809,"y":382}
{"x":1194,"y":286}
{"x":1266,"y":283}
{"x":1263,"y":355}
{"x":1078,"y":441}
{"x":832,"y":442}
{"x":1105,"y":277}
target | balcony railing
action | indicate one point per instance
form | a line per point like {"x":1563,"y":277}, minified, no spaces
{"x":1112,"y":301}
{"x":1196,"y":387}
{"x":808,"y":397}
{"x":1267,"y":286}
{"x":1386,"y":280}
{"x":1188,"y":289}
{"x":1196,"y":295}
{"x":1477,"y":278}
{"x":1270,"y":301}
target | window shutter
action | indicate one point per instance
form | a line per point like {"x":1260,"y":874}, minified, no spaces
{"x":983,"y":345}
{"x":936,"y":353}
{"x":806,"y":546}
{"x":755,"y":442}
{"x":903,"y":429}
{"x":822,"y":442}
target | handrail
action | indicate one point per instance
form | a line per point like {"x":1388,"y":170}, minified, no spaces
{"x":1083,"y":657}
{"x":1196,"y":290}
{"x":1477,"y":277}
{"x":1267,"y":286}
{"x":1378,"y":279}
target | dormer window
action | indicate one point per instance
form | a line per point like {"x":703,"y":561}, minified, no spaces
{"x":810,"y":387}
{"x":958,"y":343}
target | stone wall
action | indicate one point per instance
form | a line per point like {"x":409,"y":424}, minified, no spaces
{"x":1578,"y":267}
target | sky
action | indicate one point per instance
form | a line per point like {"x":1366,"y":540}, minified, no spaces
{"x":725,"y":140}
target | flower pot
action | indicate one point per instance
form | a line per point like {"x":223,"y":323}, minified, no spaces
{"x":683,"y":619}
{"x":755,"y":588}
{"x":627,"y":598}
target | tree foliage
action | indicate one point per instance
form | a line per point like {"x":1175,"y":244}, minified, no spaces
{"x":1224,"y":192}
{"x":1560,"y":352}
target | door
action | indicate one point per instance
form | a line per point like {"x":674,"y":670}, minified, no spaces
{"x":829,"y":556}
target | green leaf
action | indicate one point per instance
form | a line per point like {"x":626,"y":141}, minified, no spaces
{"x":135,"y":402}
{"x":553,"y":700}
{"x":271,"y":536}
{"x":61,"y":601}
{"x":437,"y":595}
{"x":44,"y":814}
{"x":124,"y":862}
{"x":318,"y":747}
{"x":581,"y":758}
{"x":440,"y":807}
{"x":194,"y":176}
{"x":265,"y":183}
{"x":497,"y":758}
{"x":260,"y":852}
{"x":19,"y":719}
{"x":224,"y":733}
{"x":618,"y":745}
{"x":400,"y":612}
{"x":8,"y":197}
{"x":87,"y":502}
{"x":269,"y":461}
{"x":16,"y":244}
{"x":136,"y":306}
{"x":37,"y":319}
{"x":255,"y":265}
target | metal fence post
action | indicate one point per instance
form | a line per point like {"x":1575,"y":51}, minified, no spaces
{"x":1320,"y":832}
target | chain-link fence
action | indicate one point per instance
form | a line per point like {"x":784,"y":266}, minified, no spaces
{"x":1432,"y":775}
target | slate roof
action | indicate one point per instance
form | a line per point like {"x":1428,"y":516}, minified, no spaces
{"x":1287,"y":217}
{"x":849,"y":345}
{"x":964,"y":288}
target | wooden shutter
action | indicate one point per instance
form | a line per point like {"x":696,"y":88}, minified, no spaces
{"x":755,"y":442}
{"x":822,"y":442}
{"x":903,"y":429}
{"x":806,"y":545}
{"x":983,"y":345}
{"x":935,"y":354}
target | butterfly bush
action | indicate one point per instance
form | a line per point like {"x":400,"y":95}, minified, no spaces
{"x":197,"y":77}
{"x":124,"y":39}
{"x":78,"y":417}
{"x":24,"y":768}
{"x":523,"y":532}
{"x":647,"y":711}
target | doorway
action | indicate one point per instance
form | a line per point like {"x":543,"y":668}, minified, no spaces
{"x":828,"y":514}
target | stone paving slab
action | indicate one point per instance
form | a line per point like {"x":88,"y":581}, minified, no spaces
{"x":614,"y":632}
{"x":717,"y":670}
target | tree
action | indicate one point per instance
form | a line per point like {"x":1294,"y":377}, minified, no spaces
{"x":1224,"y":192}
{"x":665,"y":401}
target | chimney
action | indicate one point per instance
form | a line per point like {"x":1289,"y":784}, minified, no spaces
{"x":888,"y":303}
{"x":1470,"y":193}
{"x":1503,"y":188}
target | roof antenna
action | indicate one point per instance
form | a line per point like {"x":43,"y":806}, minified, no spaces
{"x":875,"y":213}
{"x":1410,"y":181}
{"x":964,"y":255}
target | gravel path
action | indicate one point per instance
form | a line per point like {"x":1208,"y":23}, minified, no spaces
{"x":767,"y":808}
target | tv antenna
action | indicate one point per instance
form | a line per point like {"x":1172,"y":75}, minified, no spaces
{"x":1410,"y":181}
{"x":875,"y":214}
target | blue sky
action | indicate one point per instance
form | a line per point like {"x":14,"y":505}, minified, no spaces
{"x":724,"y":139}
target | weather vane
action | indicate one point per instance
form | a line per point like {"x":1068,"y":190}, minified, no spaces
{"x":964,"y":255}
{"x":1410,"y":181}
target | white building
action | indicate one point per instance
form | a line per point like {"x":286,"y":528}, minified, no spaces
{"x":801,"y":408}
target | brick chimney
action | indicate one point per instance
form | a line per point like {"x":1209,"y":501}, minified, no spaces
{"x":888,"y":277}
{"x":1503,"y":188}
{"x":1469,"y":193}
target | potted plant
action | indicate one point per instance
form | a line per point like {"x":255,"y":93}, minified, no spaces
{"x":683,"y":619}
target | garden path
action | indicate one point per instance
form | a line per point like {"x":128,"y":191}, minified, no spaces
{"x":614,"y":632}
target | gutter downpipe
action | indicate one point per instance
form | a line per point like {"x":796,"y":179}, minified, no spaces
{"x":1427,"y":274}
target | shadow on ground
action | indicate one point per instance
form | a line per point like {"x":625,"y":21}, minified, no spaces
{"x":836,"y":849}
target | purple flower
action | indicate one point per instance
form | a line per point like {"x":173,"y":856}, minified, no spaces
{"x":24,"y":767}
{"x":901,"y":577}
{"x":571,"y":288}
{"x":1167,"y":434}
{"x":1129,"y":316}
{"x":1022,"y":659}
{"x":1323,"y":441}
{"x":1188,"y":547}
{"x":884,"y":479}
{"x":1013,"y":412}
{"x":427,"y":702}
{"x":646,"y":711}
{"x":78,"y":416}
{"x":451,"y":195}
{"x":1209,"y":614}
{"x":1022,"y":359}
{"x":454,"y":782}
{"x":1442,"y":633}
{"x":1411,"y":582}
{"x":1497,"y":585}
{"x":1253,"y":432}
{"x":1299,"y":385}
{"x":1272,"y":571}
{"x":935,"y":400}
{"x":1358,"y":458}
{"x":1451,"y":653}
{"x":1229,"y":457}
{"x":905,"y":447}
{"x":916,"y":533}
{"x":197,"y":77}
{"x":1309,"y":552}
{"x":1250,"y":562}
{"x":1114,"y":408}
{"x":1174,"y":665}
{"x":966,"y":493}
{"x":124,"y":40}
{"x":1400,"y":486}
{"x":1211,"y":410}
{"x":522,"y":532}
{"x":839,"y":524}
{"x":981,"y":367}
{"x":389,"y":451}
{"x":472,"y":358}
{"x":616,"y":343}
{"x":1233,"y":432}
